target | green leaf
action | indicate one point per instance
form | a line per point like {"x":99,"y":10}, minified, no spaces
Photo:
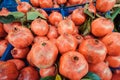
{"x":17,"y":15}
{"x":34,"y":15}
{"x":91,"y":76}
{"x":86,"y":11}
{"x":86,"y":27}
{"x":115,"y":13}
{"x":48,"y":78}
{"x":7,"y":19}
{"x":58,"y":77}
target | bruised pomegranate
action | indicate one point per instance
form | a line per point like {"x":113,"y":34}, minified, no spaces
{"x":20,"y":37}
{"x":51,"y":71}
{"x":8,"y":71}
{"x":66,"y":26}
{"x":43,"y":54}
{"x":66,"y":42}
{"x":3,"y":46}
{"x":39,"y":27}
{"x":55,"y":17}
{"x":73,"y":65}
{"x":8,"y":27}
{"x":28,"y":73}
{"x":2,"y":32}
{"x":19,"y":63}
{"x":93,"y":50}
{"x":20,"y":53}
{"x":78,"y":16}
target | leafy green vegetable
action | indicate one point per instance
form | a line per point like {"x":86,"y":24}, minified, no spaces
{"x":34,"y":15}
{"x":48,"y":78}
{"x":91,"y":76}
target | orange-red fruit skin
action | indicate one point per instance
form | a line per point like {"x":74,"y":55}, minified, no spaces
{"x":28,"y":73}
{"x":66,"y":42}
{"x":39,"y":27}
{"x":66,"y":26}
{"x":112,"y":42}
{"x":46,"y":3}
{"x":105,"y":5}
{"x":93,"y":50}
{"x":113,"y":61}
{"x":38,"y":39}
{"x":101,"y":27}
{"x":44,"y":54}
{"x":51,"y":71}
{"x":102,"y":70}
{"x":2,"y":31}
{"x":52,"y":33}
{"x":78,"y":16}
{"x":73,"y":65}
{"x":19,"y":53}
{"x":3,"y":46}
{"x":35,"y":3}
{"x":19,"y":63}
{"x":4,"y":12}
{"x":61,"y":1}
{"x":23,"y":7}
{"x":55,"y":17}
{"x":8,"y":27}
{"x":20,"y":37}
{"x":8,"y":71}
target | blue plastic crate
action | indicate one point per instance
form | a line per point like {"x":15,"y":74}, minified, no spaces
{"x":10,"y":4}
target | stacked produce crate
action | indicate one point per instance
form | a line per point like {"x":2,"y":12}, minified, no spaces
{"x":59,"y":40}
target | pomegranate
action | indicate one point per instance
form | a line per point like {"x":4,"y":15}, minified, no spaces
{"x":20,"y":37}
{"x":3,"y":46}
{"x":39,"y":27}
{"x":19,"y":53}
{"x":8,"y":71}
{"x":66,"y":26}
{"x":43,"y":54}
{"x":28,"y":73}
